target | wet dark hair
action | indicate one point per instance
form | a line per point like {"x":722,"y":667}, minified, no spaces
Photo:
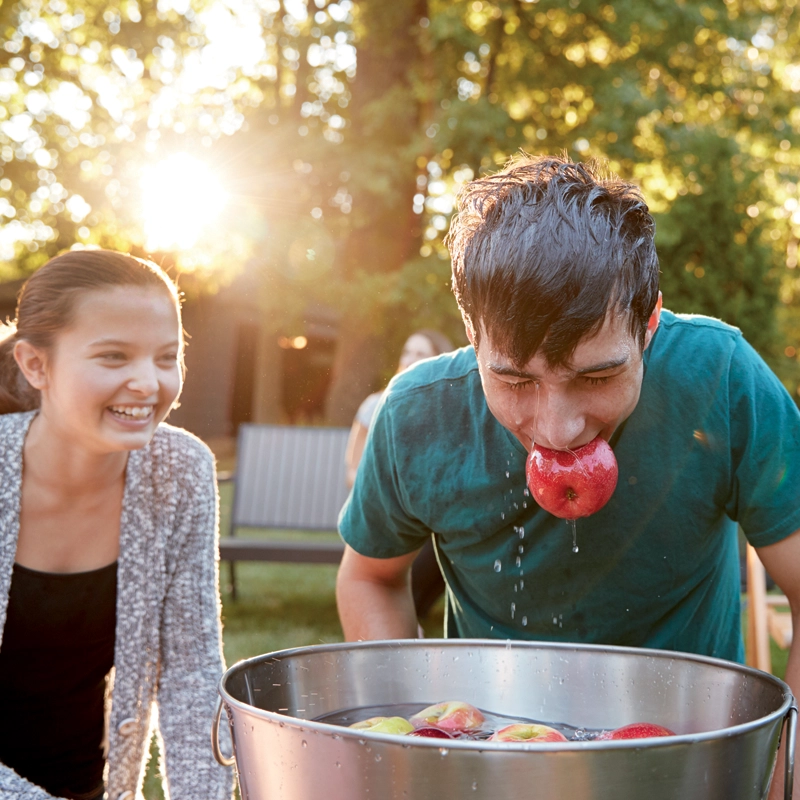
{"x":46,"y":305}
{"x":545,"y":249}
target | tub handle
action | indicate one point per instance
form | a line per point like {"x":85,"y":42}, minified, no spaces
{"x":229,"y":761}
{"x":791,"y":740}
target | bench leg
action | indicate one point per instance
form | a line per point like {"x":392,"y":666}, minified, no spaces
{"x":232,"y":566}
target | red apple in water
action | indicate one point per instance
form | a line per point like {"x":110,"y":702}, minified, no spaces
{"x":396,"y":725}
{"x":572,"y":484}
{"x":431,"y":733}
{"x":527,"y":732}
{"x":451,"y":715}
{"x":636,"y":730}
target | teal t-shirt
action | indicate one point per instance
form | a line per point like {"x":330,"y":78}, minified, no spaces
{"x":713,"y":441}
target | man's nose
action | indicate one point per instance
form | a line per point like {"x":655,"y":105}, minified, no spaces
{"x":559,"y":422}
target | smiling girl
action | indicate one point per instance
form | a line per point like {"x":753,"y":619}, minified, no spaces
{"x":109,"y":600}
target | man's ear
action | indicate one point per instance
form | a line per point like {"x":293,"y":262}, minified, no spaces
{"x":469,"y":329}
{"x":32,"y":363}
{"x":652,"y":323}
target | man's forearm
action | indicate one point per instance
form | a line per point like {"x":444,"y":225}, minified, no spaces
{"x":369,"y":610}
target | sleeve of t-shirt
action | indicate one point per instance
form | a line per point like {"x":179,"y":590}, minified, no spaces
{"x":376,"y":520}
{"x":765,"y":450}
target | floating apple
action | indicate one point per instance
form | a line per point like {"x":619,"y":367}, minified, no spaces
{"x":431,"y":733}
{"x":527,"y":732}
{"x":396,"y":725}
{"x":451,"y":715}
{"x":636,"y":730}
{"x":572,"y":484}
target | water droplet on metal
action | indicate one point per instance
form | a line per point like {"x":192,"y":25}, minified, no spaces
{"x":497,"y":565}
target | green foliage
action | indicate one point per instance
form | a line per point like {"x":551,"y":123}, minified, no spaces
{"x":713,"y":257}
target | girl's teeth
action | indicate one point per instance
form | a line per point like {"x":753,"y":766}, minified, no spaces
{"x":135,"y":412}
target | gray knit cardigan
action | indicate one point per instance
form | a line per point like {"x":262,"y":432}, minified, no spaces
{"x":168,"y":648}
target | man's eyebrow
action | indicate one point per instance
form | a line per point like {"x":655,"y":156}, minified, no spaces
{"x":513,"y":372}
{"x":614,"y":362}
{"x":502,"y":369}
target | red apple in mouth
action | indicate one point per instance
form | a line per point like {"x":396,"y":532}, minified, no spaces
{"x":636,"y":730}
{"x":572,"y":484}
{"x":451,"y":715}
{"x":527,"y":732}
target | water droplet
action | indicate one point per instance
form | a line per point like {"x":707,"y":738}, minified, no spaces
{"x":338,"y":765}
{"x":526,"y":492}
{"x":444,"y":751}
{"x":521,"y":532}
{"x":524,"y":505}
{"x":305,"y":743}
{"x":502,"y":515}
{"x":474,"y":786}
{"x":522,"y":584}
{"x":520,"y":550}
{"x":497,"y":565}
{"x":377,"y":756}
{"x":574,"y":535}
{"x":508,"y":474}
{"x":513,"y":609}
{"x":524,"y":621}
{"x":519,"y":561}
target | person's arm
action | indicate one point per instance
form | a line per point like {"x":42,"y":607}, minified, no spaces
{"x":374,"y":599}
{"x":782,"y":562}
{"x":191,"y":646}
{"x":355,"y":449}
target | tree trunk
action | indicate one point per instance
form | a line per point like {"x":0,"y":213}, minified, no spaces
{"x":385,"y":120}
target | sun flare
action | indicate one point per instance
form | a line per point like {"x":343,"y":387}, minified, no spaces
{"x":181,"y":197}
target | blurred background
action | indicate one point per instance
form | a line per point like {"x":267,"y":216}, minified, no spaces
{"x":294,"y":163}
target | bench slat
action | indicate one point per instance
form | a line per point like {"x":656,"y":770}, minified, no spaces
{"x":289,"y":477}
{"x":294,"y":552}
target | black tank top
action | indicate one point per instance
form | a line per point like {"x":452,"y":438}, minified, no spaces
{"x":57,"y":649}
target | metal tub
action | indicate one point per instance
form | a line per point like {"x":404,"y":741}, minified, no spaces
{"x":728,"y":719}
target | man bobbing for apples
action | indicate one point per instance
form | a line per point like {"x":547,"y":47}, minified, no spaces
{"x":556,"y":275}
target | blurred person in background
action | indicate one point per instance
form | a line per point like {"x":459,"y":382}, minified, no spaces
{"x":109,"y":598}
{"x":427,"y":584}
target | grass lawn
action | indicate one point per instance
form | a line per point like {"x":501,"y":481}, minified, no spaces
{"x":293,"y":605}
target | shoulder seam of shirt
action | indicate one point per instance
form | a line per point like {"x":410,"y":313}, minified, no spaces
{"x":702,"y":321}
{"x":408,"y":390}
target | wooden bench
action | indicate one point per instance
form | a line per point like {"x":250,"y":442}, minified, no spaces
{"x":287,"y":478}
